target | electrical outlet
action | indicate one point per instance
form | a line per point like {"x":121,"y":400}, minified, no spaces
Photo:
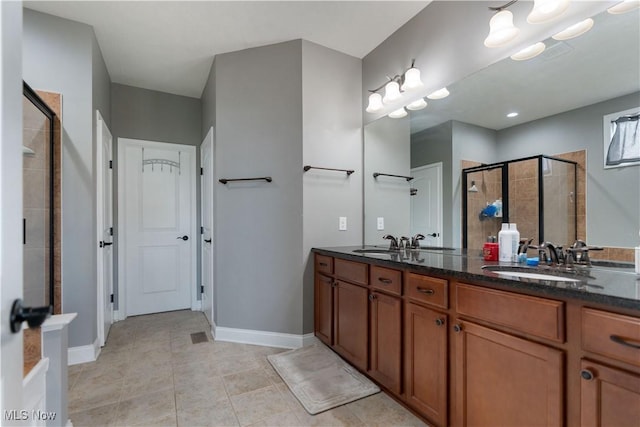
{"x":380,"y":223}
{"x":342,"y":223}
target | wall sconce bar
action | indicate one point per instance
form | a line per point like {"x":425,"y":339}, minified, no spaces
{"x":264,"y":178}
{"x":377,"y":174}
{"x":348,"y":171}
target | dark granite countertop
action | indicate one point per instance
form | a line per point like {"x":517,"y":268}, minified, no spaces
{"x":613,"y":286}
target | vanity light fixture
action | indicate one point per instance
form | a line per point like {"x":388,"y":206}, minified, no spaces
{"x":417,"y":105}
{"x":529,"y":52}
{"x":398,"y":114}
{"x":375,"y":103}
{"x":393,"y":90}
{"x":501,"y":28}
{"x":546,"y":10}
{"x":575,"y":30}
{"x":624,"y":7}
{"x":439,"y":94}
{"x":511,"y":115}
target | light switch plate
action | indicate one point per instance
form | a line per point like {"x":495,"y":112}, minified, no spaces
{"x":380,"y":223}
{"x":342,"y":223}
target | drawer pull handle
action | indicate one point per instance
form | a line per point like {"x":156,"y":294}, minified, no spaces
{"x":457,"y":328}
{"x":385,"y":280}
{"x":587,"y":374}
{"x":426,"y":291}
{"x":439,"y":322}
{"x":323,"y":264}
{"x":620,"y":340}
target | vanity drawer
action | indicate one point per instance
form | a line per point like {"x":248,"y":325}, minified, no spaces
{"x":612,"y":335}
{"x":430,"y":290}
{"x":532,"y":315}
{"x":324,"y":264}
{"x":354,"y":272}
{"x":386,"y":279}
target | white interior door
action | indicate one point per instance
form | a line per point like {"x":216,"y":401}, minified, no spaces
{"x":156,"y":220}
{"x":104,"y":217}
{"x":207,"y":188}
{"x":11,"y":201}
{"x":426,"y":204}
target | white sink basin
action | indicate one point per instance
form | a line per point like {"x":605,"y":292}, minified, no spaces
{"x":536,"y":276}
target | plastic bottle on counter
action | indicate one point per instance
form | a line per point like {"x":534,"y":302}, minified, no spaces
{"x":515,"y":241}
{"x":505,"y":243}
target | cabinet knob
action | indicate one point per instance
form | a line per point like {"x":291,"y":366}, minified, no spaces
{"x":334,"y":284}
{"x":372,"y":297}
{"x":457,"y":327}
{"x":586,"y":374}
{"x":439,"y":322}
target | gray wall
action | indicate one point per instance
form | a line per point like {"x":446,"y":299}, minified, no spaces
{"x":154,"y":116}
{"x":259,"y":225}
{"x":470,"y":142}
{"x":208,"y":99}
{"x":387,"y":150}
{"x":332,"y":137}
{"x":613,"y":195}
{"x":431,"y":146}
{"x":58,"y":57}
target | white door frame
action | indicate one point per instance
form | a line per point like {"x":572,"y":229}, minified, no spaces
{"x":122,"y":300}
{"x":100,"y":227}
{"x":208,"y":141}
{"x":440,"y":193}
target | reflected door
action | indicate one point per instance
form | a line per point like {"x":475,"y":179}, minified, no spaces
{"x":157,"y":197}
{"x":207,"y":164}
{"x":426,"y":203}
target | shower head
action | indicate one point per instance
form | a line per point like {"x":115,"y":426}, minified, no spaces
{"x":28,"y":151}
{"x":473,"y":188}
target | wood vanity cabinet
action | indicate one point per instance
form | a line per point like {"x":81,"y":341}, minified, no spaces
{"x":609,"y":396}
{"x":324,"y":308}
{"x":385,"y":327}
{"x":426,"y":361}
{"x":350,"y":337}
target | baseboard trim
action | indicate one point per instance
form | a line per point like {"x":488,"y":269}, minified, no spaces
{"x":84,"y":353}
{"x":213,"y":329}
{"x":270,"y":339}
{"x":118,"y":316}
{"x":196,"y":305}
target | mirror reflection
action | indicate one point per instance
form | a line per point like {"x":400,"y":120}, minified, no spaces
{"x":560,"y":98}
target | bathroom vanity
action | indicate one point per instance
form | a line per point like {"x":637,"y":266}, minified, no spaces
{"x":459,"y":344}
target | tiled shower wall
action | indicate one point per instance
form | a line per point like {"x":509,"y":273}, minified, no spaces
{"x":489,"y":184}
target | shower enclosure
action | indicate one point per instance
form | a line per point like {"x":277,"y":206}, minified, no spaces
{"x":537,"y":193}
{"x":38,"y":196}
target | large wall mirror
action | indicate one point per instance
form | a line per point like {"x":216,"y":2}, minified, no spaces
{"x":561,"y":98}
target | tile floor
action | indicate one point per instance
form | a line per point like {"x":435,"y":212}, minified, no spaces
{"x":150,"y":373}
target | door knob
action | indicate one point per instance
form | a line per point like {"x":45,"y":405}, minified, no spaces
{"x":103,"y":244}
{"x":185,"y":238}
{"x":433,"y":234}
{"x":34,"y":316}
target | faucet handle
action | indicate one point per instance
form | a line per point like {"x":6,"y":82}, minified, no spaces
{"x":403,"y":242}
{"x":415,"y":240}
{"x":393,"y":245}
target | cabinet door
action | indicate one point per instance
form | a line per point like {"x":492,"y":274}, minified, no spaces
{"x":350,"y":306}
{"x":502,"y":380}
{"x":386,"y":340}
{"x":609,"y":397}
{"x":324,"y":308}
{"x":425,"y":366}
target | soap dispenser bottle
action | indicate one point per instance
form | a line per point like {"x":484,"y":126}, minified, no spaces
{"x":505,"y":241}
{"x":515,"y":241}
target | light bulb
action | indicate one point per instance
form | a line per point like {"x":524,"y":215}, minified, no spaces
{"x":412,"y":79}
{"x":624,"y":7}
{"x":546,"y":10}
{"x":439,"y":94}
{"x":529,"y":52}
{"x":501,"y":29}
{"x":391,"y":92}
{"x":417,"y":105}
{"x":575,"y":30}
{"x":398,"y":114}
{"x":375,"y":103}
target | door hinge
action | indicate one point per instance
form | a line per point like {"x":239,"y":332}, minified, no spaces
{"x":111,"y":297}
{"x":202,"y":289}
{"x":110,"y":231}
{"x":201,"y":230}
{"x":201,"y":171}
{"x":110,"y":164}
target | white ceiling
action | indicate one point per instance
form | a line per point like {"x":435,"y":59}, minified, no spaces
{"x":169,"y":46}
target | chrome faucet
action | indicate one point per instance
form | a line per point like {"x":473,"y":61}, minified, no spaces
{"x":403,"y":243}
{"x":415,"y":241}
{"x":556,"y":256}
{"x":393,"y":244}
